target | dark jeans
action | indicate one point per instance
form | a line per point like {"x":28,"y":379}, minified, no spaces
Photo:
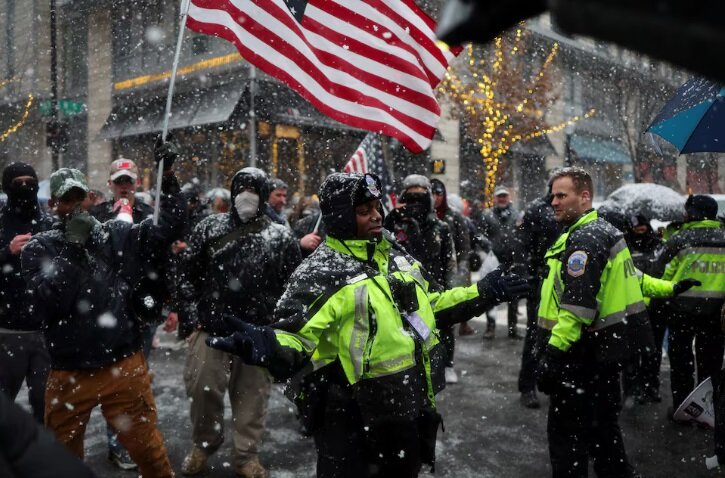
{"x":346,"y":448}
{"x":709,"y":347}
{"x":23,"y":357}
{"x":529,"y":356}
{"x":584,"y":422}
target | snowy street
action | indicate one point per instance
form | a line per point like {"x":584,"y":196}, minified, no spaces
{"x":488,"y":433}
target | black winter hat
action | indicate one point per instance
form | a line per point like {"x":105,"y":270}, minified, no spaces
{"x":15,"y":170}
{"x":700,"y":207}
{"x":254,"y":179}
{"x":339,"y":194}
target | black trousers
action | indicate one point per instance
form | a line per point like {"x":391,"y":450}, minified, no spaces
{"x":448,"y":338}
{"x":23,"y":357}
{"x":348,"y":448}
{"x":719,"y":403}
{"x":529,"y":356}
{"x":584,"y":422}
{"x":708,"y":353}
{"x":512,"y":314}
{"x":648,"y":377}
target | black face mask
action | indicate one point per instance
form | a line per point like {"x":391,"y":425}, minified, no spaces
{"x":23,"y":196}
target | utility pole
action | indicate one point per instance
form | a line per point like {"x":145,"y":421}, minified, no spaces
{"x":53,"y":127}
{"x":252,"y":117}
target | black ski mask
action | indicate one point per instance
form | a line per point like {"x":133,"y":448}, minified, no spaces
{"x":417,"y":205}
{"x":22,"y":195}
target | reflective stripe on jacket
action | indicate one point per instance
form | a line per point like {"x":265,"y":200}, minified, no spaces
{"x":697,"y":251}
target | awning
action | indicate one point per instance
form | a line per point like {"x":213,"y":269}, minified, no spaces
{"x":598,"y":149}
{"x":278,"y":103}
{"x":193,"y":108}
{"x":538,"y":146}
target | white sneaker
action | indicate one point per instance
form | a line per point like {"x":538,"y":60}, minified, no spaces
{"x":451,"y":375}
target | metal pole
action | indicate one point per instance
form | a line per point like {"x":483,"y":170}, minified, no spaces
{"x":53,"y":83}
{"x":165,"y":129}
{"x":252,"y":117}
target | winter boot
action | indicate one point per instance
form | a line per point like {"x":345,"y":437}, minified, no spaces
{"x":251,"y":469}
{"x":194,"y":462}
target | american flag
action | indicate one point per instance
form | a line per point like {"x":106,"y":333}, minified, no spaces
{"x":368,"y":158}
{"x":371,"y":64}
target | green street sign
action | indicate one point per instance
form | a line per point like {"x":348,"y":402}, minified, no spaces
{"x":67,"y":107}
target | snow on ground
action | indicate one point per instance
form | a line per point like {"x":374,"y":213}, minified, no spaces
{"x":488,"y":434}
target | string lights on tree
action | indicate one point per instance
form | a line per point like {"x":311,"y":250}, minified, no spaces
{"x":503,"y":100}
{"x":17,"y":125}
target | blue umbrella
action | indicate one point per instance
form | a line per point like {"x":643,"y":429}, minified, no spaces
{"x":694,"y":119}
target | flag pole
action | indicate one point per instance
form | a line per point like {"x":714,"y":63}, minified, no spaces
{"x":185,"y":4}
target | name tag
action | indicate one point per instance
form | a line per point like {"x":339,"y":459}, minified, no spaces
{"x":417,"y":322}
{"x":357,"y":278}
{"x":402,"y":263}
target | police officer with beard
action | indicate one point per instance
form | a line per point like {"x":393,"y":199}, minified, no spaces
{"x":590,"y":301}
{"x":22,"y":349}
{"x":429,"y":240}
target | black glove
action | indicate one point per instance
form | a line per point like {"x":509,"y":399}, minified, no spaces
{"x":78,"y":228}
{"x":254,"y":344}
{"x":502,"y":288}
{"x":684,"y":285}
{"x":166,"y":151}
{"x":554,"y":370}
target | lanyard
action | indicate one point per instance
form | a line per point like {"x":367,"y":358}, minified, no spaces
{"x":410,"y":321}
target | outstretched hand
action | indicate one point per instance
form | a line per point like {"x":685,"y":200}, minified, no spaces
{"x":254,"y":344}
{"x":500,"y":287}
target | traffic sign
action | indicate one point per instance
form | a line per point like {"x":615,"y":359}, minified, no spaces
{"x":67,"y":107}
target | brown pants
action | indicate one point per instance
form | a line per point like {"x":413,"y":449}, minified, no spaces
{"x":123,"y":390}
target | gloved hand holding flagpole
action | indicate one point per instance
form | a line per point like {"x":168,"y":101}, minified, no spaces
{"x":167,"y":114}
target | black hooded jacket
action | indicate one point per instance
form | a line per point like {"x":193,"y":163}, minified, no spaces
{"x":17,"y":303}
{"x":85,"y":292}
{"x":238,"y":268}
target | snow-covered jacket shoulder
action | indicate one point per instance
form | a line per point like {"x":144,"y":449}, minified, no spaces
{"x":236,"y":268}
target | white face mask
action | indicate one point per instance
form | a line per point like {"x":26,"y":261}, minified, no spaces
{"x":247,"y":205}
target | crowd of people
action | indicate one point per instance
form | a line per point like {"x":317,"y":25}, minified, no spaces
{"x":354,"y":303}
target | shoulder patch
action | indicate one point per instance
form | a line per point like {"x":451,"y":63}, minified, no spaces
{"x":577,"y":263}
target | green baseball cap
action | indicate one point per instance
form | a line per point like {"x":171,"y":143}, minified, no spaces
{"x":66,"y":179}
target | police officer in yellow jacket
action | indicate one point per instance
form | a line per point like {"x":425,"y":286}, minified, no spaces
{"x":360,"y":321}
{"x":591,"y":302}
{"x":696,"y":250}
